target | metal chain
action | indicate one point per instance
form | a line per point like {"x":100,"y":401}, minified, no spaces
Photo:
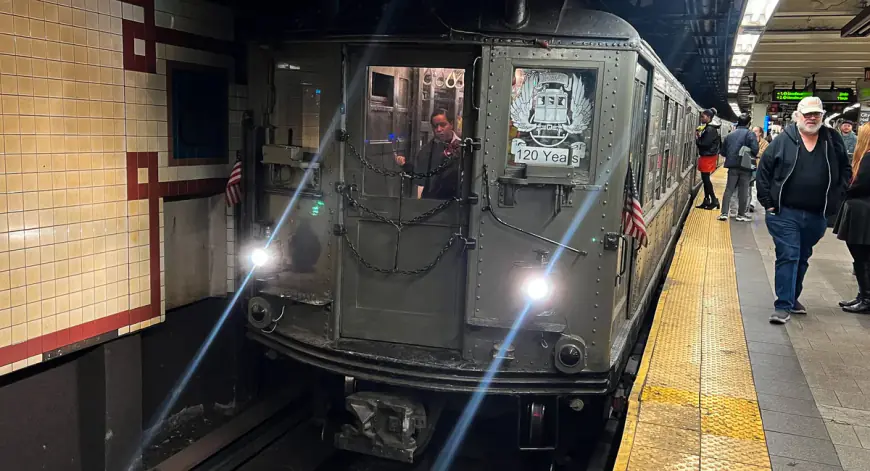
{"x":398,"y":223}
{"x":446,"y":163}
{"x":393,"y":271}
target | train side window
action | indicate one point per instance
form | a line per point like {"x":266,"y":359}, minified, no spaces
{"x":414,"y":123}
{"x":552,"y":118}
{"x":653,"y":151}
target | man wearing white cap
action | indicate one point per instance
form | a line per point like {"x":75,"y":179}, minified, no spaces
{"x":801,"y":180}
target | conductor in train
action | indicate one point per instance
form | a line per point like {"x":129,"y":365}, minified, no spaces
{"x":802,"y":178}
{"x":444,"y":145}
{"x":709,"y":142}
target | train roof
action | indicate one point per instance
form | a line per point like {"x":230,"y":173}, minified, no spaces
{"x":461,"y":21}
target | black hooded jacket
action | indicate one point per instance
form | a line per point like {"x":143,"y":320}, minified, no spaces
{"x":708,"y":140}
{"x":778,"y":162}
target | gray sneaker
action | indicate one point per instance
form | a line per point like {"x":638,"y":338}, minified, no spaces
{"x":743,"y":219}
{"x":798,"y":308}
{"x":780,"y":317}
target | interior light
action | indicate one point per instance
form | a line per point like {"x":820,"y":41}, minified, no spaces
{"x":537,"y":288}
{"x":286,"y":66}
{"x":259,"y":257}
{"x":736,"y":72}
{"x":758,"y":12}
{"x":746,"y":42}
{"x":740,"y":60}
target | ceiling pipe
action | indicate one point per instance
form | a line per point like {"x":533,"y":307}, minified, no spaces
{"x":516,"y":13}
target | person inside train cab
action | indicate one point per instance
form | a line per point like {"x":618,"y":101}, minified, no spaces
{"x":853,"y":223}
{"x":739,"y":165}
{"x":802,"y":178}
{"x":445,"y":144}
{"x":848,"y":135}
{"x":708,"y":141}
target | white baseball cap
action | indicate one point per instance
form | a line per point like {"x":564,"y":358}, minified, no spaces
{"x":810,"y":104}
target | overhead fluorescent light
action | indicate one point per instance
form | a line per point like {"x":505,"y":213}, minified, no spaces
{"x":740,"y":60}
{"x":758,"y":12}
{"x":735,"y":81}
{"x":733,"y":88}
{"x":286,"y":66}
{"x":746,"y":42}
{"x":736,"y":72}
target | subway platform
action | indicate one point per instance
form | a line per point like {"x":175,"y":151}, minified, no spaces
{"x":720,"y":388}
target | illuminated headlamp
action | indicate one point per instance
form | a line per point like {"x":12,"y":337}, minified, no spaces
{"x":537,"y":288}
{"x":260,"y":257}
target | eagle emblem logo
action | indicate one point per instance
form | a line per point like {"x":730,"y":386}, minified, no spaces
{"x":551,"y":106}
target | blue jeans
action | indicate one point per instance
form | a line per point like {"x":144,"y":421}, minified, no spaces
{"x":794,"y":233}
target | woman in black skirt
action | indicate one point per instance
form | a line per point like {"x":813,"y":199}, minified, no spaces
{"x":853,"y":222}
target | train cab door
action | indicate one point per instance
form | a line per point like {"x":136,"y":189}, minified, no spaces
{"x":640,"y":104}
{"x":403,"y":262}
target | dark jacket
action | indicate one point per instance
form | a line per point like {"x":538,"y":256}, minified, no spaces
{"x":779,"y":160}
{"x":708,"y":141}
{"x":853,"y":221}
{"x":734,"y":142}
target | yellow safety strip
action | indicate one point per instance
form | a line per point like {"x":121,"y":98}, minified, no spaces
{"x":694,"y":405}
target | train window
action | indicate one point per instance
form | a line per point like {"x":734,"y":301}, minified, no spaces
{"x":414,"y":122}
{"x":653,"y":151}
{"x":552,"y":112}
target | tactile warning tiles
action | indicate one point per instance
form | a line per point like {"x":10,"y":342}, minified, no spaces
{"x":694,"y":404}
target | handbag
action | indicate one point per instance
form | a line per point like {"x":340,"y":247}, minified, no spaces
{"x":747,"y":160}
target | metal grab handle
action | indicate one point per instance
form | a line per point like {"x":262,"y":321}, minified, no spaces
{"x":625,"y":253}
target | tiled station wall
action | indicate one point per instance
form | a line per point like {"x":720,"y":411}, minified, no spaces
{"x":86,"y":164}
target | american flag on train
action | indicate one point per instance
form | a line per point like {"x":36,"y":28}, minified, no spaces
{"x":632,"y":213}
{"x":234,"y":184}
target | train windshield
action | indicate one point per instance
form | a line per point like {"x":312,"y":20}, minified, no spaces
{"x":552,"y":113}
{"x":414,"y":123}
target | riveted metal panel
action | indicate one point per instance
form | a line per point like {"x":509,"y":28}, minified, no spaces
{"x":585,"y":303}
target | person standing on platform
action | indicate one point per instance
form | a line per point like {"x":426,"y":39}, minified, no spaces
{"x":738,"y":172}
{"x":802,"y":178}
{"x":853,"y":222}
{"x":709,"y":143}
{"x":762,"y":146}
{"x":848,"y":135}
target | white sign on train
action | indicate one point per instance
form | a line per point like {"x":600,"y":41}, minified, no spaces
{"x":548,"y":156}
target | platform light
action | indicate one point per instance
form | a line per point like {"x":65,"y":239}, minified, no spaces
{"x":758,"y":12}
{"x":537,"y":288}
{"x":746,"y":42}
{"x":735,"y":81}
{"x":740,"y":60}
{"x":736,"y":72}
{"x":733,"y":88}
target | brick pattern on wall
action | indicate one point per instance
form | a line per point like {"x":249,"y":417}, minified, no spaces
{"x":84,"y":167}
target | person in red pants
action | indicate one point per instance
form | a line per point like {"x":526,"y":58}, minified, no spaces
{"x":709,"y":143}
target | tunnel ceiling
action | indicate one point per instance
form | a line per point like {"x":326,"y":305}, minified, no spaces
{"x":693,"y":37}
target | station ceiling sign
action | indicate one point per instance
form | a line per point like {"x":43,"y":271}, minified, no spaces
{"x":837,"y":95}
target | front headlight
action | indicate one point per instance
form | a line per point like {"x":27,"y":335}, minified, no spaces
{"x":537,"y":288}
{"x":260,"y":257}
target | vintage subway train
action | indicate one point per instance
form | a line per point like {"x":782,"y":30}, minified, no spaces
{"x":419,"y":207}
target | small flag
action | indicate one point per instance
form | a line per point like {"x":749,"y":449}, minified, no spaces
{"x":234,"y":184}
{"x":632,"y":213}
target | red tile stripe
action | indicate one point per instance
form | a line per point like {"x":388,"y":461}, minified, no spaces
{"x":69,"y":336}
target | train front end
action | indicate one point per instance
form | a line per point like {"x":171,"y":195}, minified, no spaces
{"x":430,"y":218}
